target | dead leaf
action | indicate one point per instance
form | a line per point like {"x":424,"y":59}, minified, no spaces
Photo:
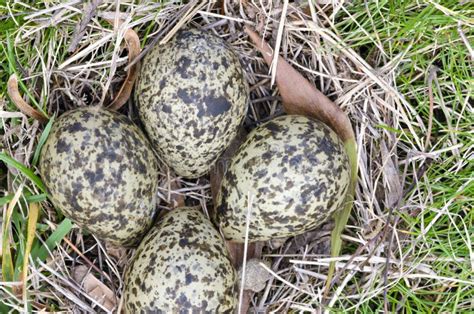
{"x":30,"y":236}
{"x":133,"y":45}
{"x":118,"y":252}
{"x":392,"y":178}
{"x":300,"y":96}
{"x":14,"y":93}
{"x":236,"y":251}
{"x":95,"y":288}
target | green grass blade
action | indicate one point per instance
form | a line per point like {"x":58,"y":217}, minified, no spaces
{"x":36,"y":198}
{"x":42,"y":140}
{"x":5,"y":199}
{"x":4,"y":308}
{"x":42,"y":252}
{"x":29,"y":198}
{"x":343,"y":216}
{"x":23,"y":169}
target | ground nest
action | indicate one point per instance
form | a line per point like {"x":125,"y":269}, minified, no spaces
{"x":408,"y":243}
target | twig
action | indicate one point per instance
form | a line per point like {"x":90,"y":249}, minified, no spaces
{"x":88,"y":261}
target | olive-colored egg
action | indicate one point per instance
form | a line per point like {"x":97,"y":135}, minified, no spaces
{"x":289,"y":176}
{"x":100,"y":171}
{"x":191,"y":97}
{"x":181,"y":266}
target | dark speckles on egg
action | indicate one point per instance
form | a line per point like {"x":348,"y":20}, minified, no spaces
{"x":295,"y":172}
{"x":99,"y":169}
{"x":62,"y":145}
{"x":195,"y":276}
{"x":191,"y":97}
{"x":217,"y":105}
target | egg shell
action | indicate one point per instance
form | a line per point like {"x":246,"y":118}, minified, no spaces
{"x":290,"y":174}
{"x":181,"y":266}
{"x":192,"y":97}
{"x":100,"y":171}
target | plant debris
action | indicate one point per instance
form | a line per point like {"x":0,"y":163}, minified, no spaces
{"x":95,"y":288}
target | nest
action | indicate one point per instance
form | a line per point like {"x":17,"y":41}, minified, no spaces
{"x":80,"y":59}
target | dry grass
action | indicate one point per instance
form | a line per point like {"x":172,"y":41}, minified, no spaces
{"x":388,"y":256}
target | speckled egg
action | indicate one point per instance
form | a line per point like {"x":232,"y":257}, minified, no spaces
{"x":181,"y":266}
{"x":192,"y":97}
{"x":290,"y":174}
{"x":100,"y":171}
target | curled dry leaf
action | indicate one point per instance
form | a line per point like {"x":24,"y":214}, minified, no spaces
{"x":133,"y":45}
{"x":95,"y":288}
{"x":300,"y":96}
{"x":14,"y":93}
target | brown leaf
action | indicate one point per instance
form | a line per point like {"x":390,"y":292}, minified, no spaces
{"x":237,"y":250}
{"x":176,"y":200}
{"x":133,"y":44}
{"x":392,"y":178}
{"x":119,"y":252}
{"x":14,"y":93}
{"x":300,"y":96}
{"x":95,"y":288}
